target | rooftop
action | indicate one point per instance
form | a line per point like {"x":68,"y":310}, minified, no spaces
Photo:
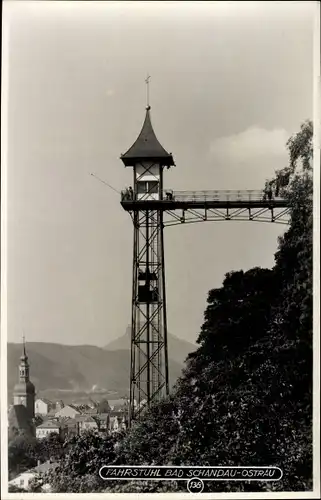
{"x":44,"y":467}
{"x":89,"y":418}
{"x":69,"y":422}
{"x":45,"y":400}
{"x":72,"y":406}
{"x":49,"y":424}
{"x":147,"y":147}
{"x":117,"y":402}
{"x":103,"y":416}
{"x":82,"y":417}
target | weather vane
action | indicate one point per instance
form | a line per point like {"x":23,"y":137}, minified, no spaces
{"x":147,"y":90}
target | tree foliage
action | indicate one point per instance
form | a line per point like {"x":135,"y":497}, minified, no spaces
{"x":24,"y":451}
{"x":78,"y":471}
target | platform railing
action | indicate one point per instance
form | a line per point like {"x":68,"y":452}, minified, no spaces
{"x":218,"y":195}
{"x":209,"y":195}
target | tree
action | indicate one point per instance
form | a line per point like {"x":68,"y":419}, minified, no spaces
{"x":103,"y":406}
{"x":52,"y":447}
{"x":291,"y":325}
{"x":22,"y":453}
{"x":237,"y":313}
{"x":78,"y":471}
{"x":145,"y":444}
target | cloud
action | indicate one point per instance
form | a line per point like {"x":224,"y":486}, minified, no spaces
{"x":251,"y":155}
{"x":253,"y":143}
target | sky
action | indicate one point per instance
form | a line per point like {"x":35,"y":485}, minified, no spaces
{"x":230,"y":83}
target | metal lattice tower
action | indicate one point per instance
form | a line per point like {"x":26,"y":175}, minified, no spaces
{"x":148,"y":204}
{"x":149,"y":380}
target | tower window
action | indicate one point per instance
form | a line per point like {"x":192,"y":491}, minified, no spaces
{"x":152,"y":187}
{"x":144,"y":187}
{"x":141,"y":187}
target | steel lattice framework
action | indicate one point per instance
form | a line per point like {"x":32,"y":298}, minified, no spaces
{"x":149,"y":377}
{"x":248,"y":205}
{"x":149,"y":358}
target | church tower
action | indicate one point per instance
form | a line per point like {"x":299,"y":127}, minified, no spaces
{"x":24,"y":391}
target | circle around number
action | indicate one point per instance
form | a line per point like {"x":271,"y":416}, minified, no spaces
{"x":195,"y":485}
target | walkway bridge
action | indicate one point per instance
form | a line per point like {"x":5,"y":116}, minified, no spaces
{"x":211,"y":205}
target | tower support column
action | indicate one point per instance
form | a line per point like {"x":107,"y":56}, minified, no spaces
{"x":149,"y":381}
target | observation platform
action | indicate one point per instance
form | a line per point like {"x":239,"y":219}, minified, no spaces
{"x":197,"y":206}
{"x":173,"y":200}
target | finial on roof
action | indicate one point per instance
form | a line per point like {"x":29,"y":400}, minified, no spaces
{"x":24,"y":346}
{"x":147,"y":92}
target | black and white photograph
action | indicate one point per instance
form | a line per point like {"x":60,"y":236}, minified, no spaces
{"x":160,"y":249}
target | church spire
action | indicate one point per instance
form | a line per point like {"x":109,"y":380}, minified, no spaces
{"x":24,"y":356}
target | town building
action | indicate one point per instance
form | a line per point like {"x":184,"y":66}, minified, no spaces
{"x":82,"y":407}
{"x":88,"y":424}
{"x":43,"y":430}
{"x":43,"y":406}
{"x":118,"y":422}
{"x":24,"y":479}
{"x":103,"y":421}
{"x":118,"y":404}
{"x":92,"y":411}
{"x":68,"y":411}
{"x":71,"y":427}
{"x":59,"y":405}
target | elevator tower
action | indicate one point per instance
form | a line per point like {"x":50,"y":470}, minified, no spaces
{"x":149,"y":379}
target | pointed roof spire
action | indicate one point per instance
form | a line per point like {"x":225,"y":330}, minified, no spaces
{"x":24,"y":354}
{"x":147,"y":146}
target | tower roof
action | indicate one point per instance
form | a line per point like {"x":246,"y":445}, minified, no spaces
{"x":147,"y":147}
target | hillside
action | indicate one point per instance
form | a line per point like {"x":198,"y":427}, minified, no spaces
{"x":178,"y":349}
{"x":75,"y":368}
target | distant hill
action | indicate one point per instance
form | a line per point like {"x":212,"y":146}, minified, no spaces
{"x":178,"y":349}
{"x":76,"y":368}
